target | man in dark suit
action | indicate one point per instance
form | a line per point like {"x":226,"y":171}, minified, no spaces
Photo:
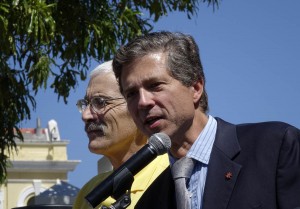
{"x":235,"y":166}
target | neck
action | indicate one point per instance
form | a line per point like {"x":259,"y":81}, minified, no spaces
{"x":122,"y":155}
{"x":183,"y":142}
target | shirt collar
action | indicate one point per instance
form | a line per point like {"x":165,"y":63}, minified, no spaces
{"x":201,"y":149}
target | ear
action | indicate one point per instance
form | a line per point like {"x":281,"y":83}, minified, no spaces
{"x":197,"y":90}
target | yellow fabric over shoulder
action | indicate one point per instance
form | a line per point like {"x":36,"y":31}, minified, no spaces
{"x":142,"y":181}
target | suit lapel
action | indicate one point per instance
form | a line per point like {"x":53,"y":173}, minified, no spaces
{"x":222,"y":171}
{"x":160,"y":194}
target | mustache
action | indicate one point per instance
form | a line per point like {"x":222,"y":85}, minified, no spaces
{"x":91,"y":126}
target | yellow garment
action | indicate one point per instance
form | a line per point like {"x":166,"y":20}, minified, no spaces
{"x":142,"y":181}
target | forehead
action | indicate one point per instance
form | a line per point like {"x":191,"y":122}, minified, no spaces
{"x":146,"y":68}
{"x":104,"y":84}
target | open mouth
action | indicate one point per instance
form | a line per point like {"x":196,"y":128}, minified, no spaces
{"x":151,"y":120}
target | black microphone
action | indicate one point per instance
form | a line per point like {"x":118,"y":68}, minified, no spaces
{"x":158,"y":144}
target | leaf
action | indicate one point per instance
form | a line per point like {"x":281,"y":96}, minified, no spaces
{"x":39,"y":38}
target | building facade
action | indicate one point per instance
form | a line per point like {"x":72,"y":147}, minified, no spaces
{"x":39,"y":163}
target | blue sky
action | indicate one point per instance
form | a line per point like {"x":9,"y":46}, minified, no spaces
{"x":250,"y":52}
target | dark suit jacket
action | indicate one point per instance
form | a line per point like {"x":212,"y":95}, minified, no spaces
{"x":251,"y":166}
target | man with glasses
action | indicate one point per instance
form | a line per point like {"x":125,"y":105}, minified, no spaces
{"x":112,"y":133}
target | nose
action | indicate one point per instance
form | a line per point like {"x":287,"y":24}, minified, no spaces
{"x":87,"y":114}
{"x":145,"y":99}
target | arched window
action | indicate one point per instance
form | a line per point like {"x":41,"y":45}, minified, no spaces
{"x":31,"y":201}
{"x":27,"y":197}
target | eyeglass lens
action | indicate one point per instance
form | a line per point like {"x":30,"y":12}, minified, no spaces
{"x":97,"y":103}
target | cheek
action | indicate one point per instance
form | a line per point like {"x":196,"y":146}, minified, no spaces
{"x":132,"y":108}
{"x":178,"y":105}
{"x":121,"y":118}
{"x":125,"y":128}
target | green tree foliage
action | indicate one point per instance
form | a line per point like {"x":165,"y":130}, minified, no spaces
{"x":54,"y":41}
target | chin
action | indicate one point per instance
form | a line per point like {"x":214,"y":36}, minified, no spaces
{"x":97,"y":150}
{"x":98,"y":145}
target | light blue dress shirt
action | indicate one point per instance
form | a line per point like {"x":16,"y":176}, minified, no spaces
{"x":200,"y":152}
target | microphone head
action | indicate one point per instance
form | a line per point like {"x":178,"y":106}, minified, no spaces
{"x":160,"y":142}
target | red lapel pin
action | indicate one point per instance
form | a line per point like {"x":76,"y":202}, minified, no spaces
{"x":228,"y":175}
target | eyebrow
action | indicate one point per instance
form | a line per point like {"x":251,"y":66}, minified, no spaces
{"x":96,"y":95}
{"x":130,"y":88}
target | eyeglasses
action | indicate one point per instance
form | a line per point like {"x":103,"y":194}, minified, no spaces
{"x":97,"y":103}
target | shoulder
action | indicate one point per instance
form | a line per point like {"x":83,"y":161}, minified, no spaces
{"x":271,"y":128}
{"x":91,"y":184}
{"x":273,"y":135}
{"x":96,"y":180}
{"x":154,"y":169}
{"x":276,"y":126}
{"x":163,"y":160}
{"x":80,"y":201}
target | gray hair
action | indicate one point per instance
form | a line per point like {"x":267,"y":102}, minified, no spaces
{"x":105,"y":67}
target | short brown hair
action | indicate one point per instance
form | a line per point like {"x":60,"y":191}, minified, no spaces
{"x":182,"y":53}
